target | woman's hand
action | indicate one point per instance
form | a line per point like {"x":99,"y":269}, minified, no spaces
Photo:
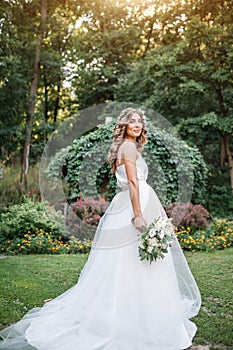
{"x":138,"y":222}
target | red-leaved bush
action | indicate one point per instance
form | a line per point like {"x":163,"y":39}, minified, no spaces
{"x":89,"y":209}
{"x":188,"y":215}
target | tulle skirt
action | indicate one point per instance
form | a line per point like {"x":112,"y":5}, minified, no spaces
{"x":119,"y":302}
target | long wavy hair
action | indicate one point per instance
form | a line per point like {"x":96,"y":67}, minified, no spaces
{"x":120,"y":131}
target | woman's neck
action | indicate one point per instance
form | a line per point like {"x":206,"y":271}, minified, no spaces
{"x":132,"y":139}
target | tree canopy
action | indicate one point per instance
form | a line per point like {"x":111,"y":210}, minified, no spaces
{"x":174,"y":56}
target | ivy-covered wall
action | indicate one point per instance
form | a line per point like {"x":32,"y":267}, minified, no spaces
{"x":177,"y":172}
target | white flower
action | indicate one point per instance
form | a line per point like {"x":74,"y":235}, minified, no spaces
{"x":152,"y":232}
{"x":150,"y":248}
{"x":154,"y":242}
{"x":162,"y":233}
{"x":141,"y":244}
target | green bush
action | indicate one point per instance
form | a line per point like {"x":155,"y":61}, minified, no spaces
{"x":44,"y":243}
{"x":30,"y":216}
{"x":166,"y":164}
{"x":219,"y":199}
{"x":219,"y":235}
{"x":40,"y":243}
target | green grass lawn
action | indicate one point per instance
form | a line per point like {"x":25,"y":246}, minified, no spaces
{"x":27,"y":280}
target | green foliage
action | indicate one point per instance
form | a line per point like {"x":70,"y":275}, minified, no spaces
{"x":220,"y":198}
{"x":44,"y":243}
{"x":17,"y":51}
{"x":179,"y":163}
{"x":10,"y":191}
{"x":219,"y":235}
{"x":171,"y":164}
{"x":30,"y":216}
{"x":39,"y":243}
{"x":76,"y":246}
{"x":175,"y":58}
{"x":186,"y":79}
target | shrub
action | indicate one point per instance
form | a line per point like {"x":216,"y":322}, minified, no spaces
{"x":44,"y":243}
{"x":78,"y":246}
{"x":84,"y":217}
{"x":89,"y":209}
{"x":219,"y":235}
{"x":190,"y":215}
{"x":31,"y":216}
{"x":40,"y":243}
{"x":219,"y":199}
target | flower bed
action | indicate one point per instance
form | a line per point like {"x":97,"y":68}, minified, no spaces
{"x":45,"y":243}
{"x":219,"y":235}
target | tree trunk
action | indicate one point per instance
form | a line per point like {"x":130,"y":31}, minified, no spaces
{"x":223,"y":151}
{"x":46,"y":107}
{"x":32,"y":98}
{"x":229,"y":157}
{"x":57,"y":101}
{"x":148,"y":38}
{"x":226,"y":154}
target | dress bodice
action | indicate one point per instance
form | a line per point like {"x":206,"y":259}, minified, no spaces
{"x":142,"y":173}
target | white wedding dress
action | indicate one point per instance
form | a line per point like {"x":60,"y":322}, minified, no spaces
{"x":119,"y":302}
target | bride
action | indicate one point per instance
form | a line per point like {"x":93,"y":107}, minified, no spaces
{"x":119,"y":301}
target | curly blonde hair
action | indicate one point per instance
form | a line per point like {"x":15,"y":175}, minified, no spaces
{"x":119,"y":134}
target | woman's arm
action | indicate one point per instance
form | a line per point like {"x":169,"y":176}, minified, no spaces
{"x":129,"y":157}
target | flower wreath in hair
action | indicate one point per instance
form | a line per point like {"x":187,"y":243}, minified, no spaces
{"x":131,"y":109}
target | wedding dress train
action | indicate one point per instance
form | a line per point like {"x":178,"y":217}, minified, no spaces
{"x":119,"y":301}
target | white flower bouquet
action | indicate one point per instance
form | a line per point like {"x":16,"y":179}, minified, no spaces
{"x":154,"y":241}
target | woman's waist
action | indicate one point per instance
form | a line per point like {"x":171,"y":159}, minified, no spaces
{"x":125,"y":186}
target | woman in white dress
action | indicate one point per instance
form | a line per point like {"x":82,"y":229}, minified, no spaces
{"x":119,"y":301}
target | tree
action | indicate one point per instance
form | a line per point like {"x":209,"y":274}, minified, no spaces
{"x":189,"y":78}
{"x":18,"y":42}
{"x":33,"y":93}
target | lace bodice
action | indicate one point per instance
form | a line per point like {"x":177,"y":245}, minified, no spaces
{"x":142,"y":173}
